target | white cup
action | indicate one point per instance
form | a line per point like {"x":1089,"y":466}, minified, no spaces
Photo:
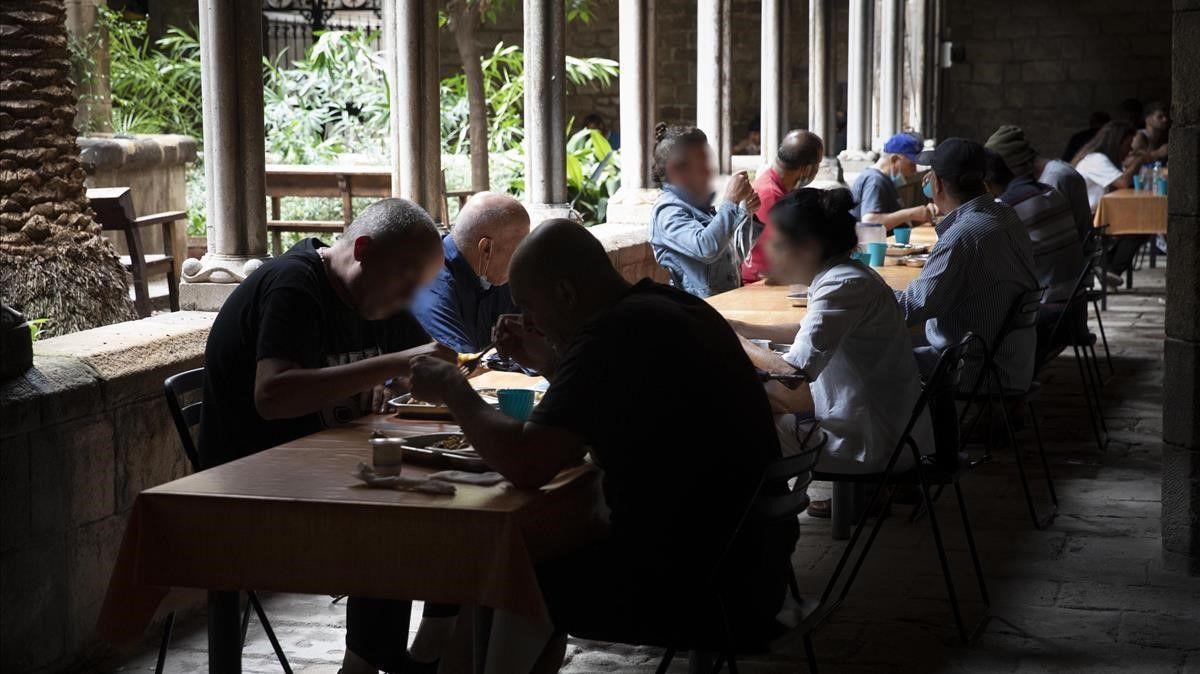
{"x":387,"y":456}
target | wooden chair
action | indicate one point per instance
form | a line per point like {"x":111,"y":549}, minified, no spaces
{"x":113,"y":208}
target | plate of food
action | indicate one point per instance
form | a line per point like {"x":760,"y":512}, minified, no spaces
{"x":902,"y":249}
{"x":914,"y":260}
{"x":409,"y":407}
{"x":443,"y":450}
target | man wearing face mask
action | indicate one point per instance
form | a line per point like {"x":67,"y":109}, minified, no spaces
{"x":875,"y":196}
{"x":471,"y":292}
{"x":794,"y":166}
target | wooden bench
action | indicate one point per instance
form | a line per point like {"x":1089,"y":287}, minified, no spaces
{"x":113,"y":208}
{"x":345,"y":182}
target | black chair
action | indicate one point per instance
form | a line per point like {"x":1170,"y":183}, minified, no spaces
{"x":944,"y":468}
{"x":988,"y":393}
{"x":186,"y":418}
{"x":1071,"y":330}
{"x":1093,"y":251}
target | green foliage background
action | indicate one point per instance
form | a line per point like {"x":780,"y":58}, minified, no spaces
{"x":331,"y":105}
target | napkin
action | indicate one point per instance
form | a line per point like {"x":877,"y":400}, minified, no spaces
{"x":422,"y":484}
{"x":482,"y":479}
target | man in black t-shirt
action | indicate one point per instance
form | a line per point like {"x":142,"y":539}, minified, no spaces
{"x":654,"y":382}
{"x":306,"y":342}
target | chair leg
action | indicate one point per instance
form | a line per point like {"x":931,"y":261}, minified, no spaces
{"x":1093,"y":370}
{"x":941,"y":550}
{"x":862,"y":557}
{"x":1087,"y":396}
{"x":245,"y":622}
{"x":1037,"y":434}
{"x":172,"y":287}
{"x":663,"y":664}
{"x":266,"y":625}
{"x":809,"y":654}
{"x":1103,"y":338}
{"x":165,"y":642}
{"x":962,"y":511}
{"x":1018,"y":451}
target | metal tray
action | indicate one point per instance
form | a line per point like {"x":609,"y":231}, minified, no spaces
{"x":418,"y":451}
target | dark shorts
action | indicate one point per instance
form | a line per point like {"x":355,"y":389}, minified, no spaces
{"x":377,"y":629}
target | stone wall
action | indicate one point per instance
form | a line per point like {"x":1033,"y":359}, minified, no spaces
{"x":81,"y":434}
{"x":1047,"y":64}
{"x":1181,"y":372}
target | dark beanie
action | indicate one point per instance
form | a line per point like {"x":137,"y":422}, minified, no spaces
{"x":1009,"y":142}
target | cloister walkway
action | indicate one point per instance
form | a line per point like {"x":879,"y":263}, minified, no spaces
{"x":1088,"y":594}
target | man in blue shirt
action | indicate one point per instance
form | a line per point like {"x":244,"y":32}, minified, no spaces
{"x":875,"y":196}
{"x":470,"y":292}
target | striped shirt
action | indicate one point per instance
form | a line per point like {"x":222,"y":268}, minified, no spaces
{"x":1057,"y":252}
{"x":980,"y":265}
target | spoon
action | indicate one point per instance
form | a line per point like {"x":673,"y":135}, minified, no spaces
{"x":469,"y":362}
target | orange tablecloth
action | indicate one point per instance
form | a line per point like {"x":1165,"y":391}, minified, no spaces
{"x":293,"y":519}
{"x":1132,"y":212}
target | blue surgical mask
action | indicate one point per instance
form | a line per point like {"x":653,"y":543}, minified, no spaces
{"x":898,"y":179}
{"x":927,"y":190}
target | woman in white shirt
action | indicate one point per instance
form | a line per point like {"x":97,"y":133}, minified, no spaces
{"x":1106,"y":163}
{"x":852,"y":343}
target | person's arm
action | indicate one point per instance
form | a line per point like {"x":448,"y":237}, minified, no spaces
{"x":705,"y":242}
{"x":937,"y":289}
{"x":438,"y":313}
{"x":782,"y":333}
{"x":284,"y":389}
{"x":782,"y":398}
{"x":915,"y":214}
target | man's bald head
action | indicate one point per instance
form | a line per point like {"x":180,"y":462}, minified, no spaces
{"x":561,"y":276}
{"x":487,"y":231}
{"x":799,"y":150}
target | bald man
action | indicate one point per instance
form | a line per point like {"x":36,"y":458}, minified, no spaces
{"x":795,"y":165}
{"x":470,"y":292}
{"x":680,"y":464}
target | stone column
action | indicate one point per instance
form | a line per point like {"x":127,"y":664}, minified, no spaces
{"x":545,"y":111}
{"x":232,"y":90}
{"x":411,"y":51}
{"x":94,"y":107}
{"x":633,"y":201}
{"x":773,"y":108}
{"x":822,"y":74}
{"x":921,"y":66}
{"x":859,"y":63}
{"x":1181,"y":351}
{"x":713,"y":64}
{"x":891,"y":57}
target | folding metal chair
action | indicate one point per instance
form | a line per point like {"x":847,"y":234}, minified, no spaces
{"x":187,"y":417}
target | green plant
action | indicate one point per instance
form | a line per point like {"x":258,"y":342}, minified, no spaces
{"x":155,"y":85}
{"x":593,"y":174}
{"x":36,"y":329}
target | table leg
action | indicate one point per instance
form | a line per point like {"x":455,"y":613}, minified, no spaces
{"x":842,"y":510}
{"x":482,"y":630}
{"x":224,"y":632}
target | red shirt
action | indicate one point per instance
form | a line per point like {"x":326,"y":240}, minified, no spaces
{"x":769,"y":190}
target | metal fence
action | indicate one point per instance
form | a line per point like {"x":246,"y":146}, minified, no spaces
{"x":290,"y":26}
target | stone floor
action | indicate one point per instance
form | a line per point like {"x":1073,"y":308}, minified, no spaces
{"x":1089,"y":594}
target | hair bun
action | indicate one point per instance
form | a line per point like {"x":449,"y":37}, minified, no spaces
{"x":660,"y":131}
{"x":836,"y":202}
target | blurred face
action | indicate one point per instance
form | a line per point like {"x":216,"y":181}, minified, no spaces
{"x":391,"y":272}
{"x":694,"y":172}
{"x":495,"y":254}
{"x":903,"y":166}
{"x":793,"y":262}
{"x":937,"y":189}
{"x":1158,"y":120}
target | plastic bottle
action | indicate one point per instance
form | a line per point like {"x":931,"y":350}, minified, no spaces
{"x":1157,"y":177}
{"x":868,"y":232}
{"x":1146,"y":177}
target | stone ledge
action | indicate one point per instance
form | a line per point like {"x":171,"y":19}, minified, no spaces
{"x":107,"y":152}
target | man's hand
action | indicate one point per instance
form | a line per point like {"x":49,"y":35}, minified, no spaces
{"x":379,"y":397}
{"x":431,"y":378}
{"x":752,"y":203}
{"x":738,"y":189}
{"x":435,"y":350}
{"x":516,"y":339}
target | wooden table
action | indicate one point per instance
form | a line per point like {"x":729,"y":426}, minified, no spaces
{"x":1127,"y":211}
{"x":293,"y":519}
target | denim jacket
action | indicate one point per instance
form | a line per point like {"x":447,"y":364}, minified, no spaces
{"x":696,"y":243}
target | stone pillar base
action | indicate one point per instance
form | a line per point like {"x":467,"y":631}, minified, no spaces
{"x":854,"y":161}
{"x":830,"y":171}
{"x":204,"y":296}
{"x":539,"y":213}
{"x":632,"y":206}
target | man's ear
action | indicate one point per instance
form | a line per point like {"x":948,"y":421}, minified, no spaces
{"x":362,"y":245}
{"x":485,"y":246}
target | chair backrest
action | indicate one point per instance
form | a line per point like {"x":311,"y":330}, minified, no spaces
{"x":939,"y":394}
{"x":793,"y":473}
{"x":1022,"y":315}
{"x":186,"y":416}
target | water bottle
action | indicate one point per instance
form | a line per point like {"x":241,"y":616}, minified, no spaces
{"x":868,"y":232}
{"x":1157,"y":177}
{"x":1146,"y":178}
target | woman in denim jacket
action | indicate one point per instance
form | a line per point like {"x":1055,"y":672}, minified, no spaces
{"x":700,"y":246}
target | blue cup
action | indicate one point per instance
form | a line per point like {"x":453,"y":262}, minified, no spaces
{"x":516,"y":402}
{"x":902,"y":234}
{"x":878,"y":252}
{"x":1137,"y":183}
{"x":1161,"y":186}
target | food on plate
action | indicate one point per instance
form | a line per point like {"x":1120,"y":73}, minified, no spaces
{"x":456,"y":441}
{"x":492,"y":394}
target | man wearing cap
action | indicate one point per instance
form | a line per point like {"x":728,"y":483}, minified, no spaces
{"x":980,"y":265}
{"x":1009,"y":142}
{"x":875,"y":196}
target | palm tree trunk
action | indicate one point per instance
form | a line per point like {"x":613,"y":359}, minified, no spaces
{"x":467,"y":16}
{"x":54,"y":263}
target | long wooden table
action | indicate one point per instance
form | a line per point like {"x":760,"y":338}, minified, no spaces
{"x":294,"y":519}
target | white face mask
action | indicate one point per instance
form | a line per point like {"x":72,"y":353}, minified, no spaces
{"x":483,"y":279}
{"x":484,"y":282}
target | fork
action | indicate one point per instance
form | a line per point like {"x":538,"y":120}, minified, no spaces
{"x":469,"y":362}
